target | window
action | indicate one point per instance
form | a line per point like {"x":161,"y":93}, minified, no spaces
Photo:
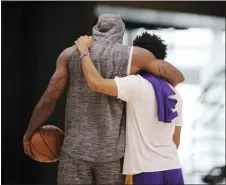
{"x":223,"y":36}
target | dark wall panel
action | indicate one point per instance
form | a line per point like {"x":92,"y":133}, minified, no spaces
{"x":33,"y":35}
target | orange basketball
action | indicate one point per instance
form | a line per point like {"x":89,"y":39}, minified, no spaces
{"x":46,"y":143}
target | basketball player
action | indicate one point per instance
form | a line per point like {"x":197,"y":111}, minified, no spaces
{"x":94,"y":123}
{"x":151,"y":145}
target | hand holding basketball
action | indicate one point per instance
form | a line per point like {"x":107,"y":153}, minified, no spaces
{"x":27,"y":146}
{"x":44,"y":145}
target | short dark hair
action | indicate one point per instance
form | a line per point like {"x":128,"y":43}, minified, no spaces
{"x":152,"y":43}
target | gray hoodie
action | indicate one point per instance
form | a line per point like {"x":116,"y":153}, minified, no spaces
{"x":110,"y":28}
{"x":95,"y":123}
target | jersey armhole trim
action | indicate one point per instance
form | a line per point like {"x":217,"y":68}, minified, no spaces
{"x":130,"y":61}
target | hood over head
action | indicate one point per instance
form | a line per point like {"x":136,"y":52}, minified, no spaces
{"x":110,"y":27}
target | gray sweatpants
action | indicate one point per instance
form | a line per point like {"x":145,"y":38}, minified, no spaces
{"x":72,"y":171}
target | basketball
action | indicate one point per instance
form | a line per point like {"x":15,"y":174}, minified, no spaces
{"x":46,"y":143}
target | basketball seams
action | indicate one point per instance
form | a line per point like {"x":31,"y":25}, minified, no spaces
{"x":48,"y":136}
{"x":33,"y":148}
{"x":57,"y":139}
{"x":54,"y":133}
{"x":47,"y":144}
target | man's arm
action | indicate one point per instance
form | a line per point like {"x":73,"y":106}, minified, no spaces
{"x":176,"y":136}
{"x":145,"y":60}
{"x":124,"y":88}
{"x":94,"y":79}
{"x":178,"y":120}
{"x":47,"y":103}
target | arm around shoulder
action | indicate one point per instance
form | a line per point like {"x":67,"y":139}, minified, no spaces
{"x":142,"y":59}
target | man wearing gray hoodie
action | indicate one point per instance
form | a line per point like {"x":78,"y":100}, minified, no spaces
{"x":94,"y":140}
